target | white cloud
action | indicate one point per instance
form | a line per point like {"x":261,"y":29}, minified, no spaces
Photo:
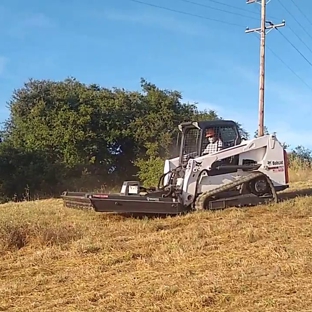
{"x":19,"y":24}
{"x":284,"y":93}
{"x":247,"y":121}
{"x":218,"y":108}
{"x":204,"y":105}
{"x":286,"y":132}
{"x":293,"y":136}
{"x":36,"y":20}
{"x":250,"y":75}
{"x":163,"y":20}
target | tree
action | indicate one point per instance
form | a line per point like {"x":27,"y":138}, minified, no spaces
{"x":300,"y":156}
{"x":265,"y":131}
{"x":110,"y":133}
{"x":73,"y":124}
{"x":23,"y":173}
{"x":73,"y":128}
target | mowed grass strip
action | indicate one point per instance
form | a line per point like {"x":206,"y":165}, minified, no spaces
{"x":60,"y":259}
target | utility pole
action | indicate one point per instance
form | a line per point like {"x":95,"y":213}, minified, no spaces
{"x":265,"y":25}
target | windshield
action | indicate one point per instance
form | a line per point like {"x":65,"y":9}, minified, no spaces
{"x":190,"y":143}
{"x":226,"y":134}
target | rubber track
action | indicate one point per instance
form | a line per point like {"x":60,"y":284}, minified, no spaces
{"x":200,"y":200}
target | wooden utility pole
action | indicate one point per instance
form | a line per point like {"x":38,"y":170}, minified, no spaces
{"x":263,"y":31}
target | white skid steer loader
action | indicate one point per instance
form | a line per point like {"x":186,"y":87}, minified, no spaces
{"x":238,"y":173}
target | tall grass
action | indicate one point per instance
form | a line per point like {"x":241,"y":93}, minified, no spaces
{"x":58,"y":259}
{"x":21,"y":227}
{"x":42,"y":223}
{"x":299,"y":170}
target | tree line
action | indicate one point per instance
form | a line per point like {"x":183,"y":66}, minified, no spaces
{"x":69,"y":135}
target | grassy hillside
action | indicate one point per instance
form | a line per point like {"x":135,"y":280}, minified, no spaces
{"x":255,"y":259}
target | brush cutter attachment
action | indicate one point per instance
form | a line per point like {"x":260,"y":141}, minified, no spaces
{"x":129,"y":200}
{"x":77,"y":200}
{"x":215,"y":169}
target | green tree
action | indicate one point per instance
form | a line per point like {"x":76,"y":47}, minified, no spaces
{"x":300,"y":156}
{"x":23,"y":173}
{"x":265,"y":131}
{"x":112,"y":134}
{"x":72,"y":123}
{"x":86,"y":127}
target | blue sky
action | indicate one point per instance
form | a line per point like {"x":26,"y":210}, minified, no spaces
{"x":115,"y":42}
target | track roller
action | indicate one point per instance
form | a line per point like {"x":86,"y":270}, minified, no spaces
{"x":258,"y":186}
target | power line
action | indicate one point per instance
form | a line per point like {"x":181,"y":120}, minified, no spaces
{"x":300,"y":39}
{"x":286,"y":65}
{"x":289,"y":68}
{"x":295,"y":48}
{"x":294,"y":18}
{"x":186,"y":13}
{"x":226,"y":5}
{"x":294,"y":3}
{"x":233,"y":24}
{"x":232,"y":6}
{"x":217,"y":9}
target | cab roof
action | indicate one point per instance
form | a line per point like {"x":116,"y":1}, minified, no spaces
{"x":207,"y":124}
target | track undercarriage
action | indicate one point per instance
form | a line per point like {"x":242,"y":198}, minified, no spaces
{"x":240,"y":193}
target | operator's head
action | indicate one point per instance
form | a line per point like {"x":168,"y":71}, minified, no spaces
{"x":211,"y":135}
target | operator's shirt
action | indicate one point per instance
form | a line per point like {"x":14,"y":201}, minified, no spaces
{"x":213,"y":147}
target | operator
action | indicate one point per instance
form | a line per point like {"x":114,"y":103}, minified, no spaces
{"x":215,"y":144}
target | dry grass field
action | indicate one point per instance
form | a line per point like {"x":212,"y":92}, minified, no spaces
{"x":254,"y":259}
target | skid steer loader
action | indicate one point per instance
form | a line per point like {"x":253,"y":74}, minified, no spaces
{"x":242,"y":173}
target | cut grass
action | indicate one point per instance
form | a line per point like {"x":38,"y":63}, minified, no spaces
{"x":60,"y":259}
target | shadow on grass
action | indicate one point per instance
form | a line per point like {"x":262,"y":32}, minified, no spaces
{"x":287,"y":195}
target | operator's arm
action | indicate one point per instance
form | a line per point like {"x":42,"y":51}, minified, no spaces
{"x":220,"y":145}
{"x":206,"y":150}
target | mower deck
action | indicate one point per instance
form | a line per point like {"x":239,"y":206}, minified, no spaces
{"x":77,"y":200}
{"x":135,"y":204}
{"x":122,"y":203}
{"x":139,"y":204}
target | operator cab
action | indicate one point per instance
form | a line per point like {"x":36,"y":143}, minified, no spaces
{"x":194,"y":141}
